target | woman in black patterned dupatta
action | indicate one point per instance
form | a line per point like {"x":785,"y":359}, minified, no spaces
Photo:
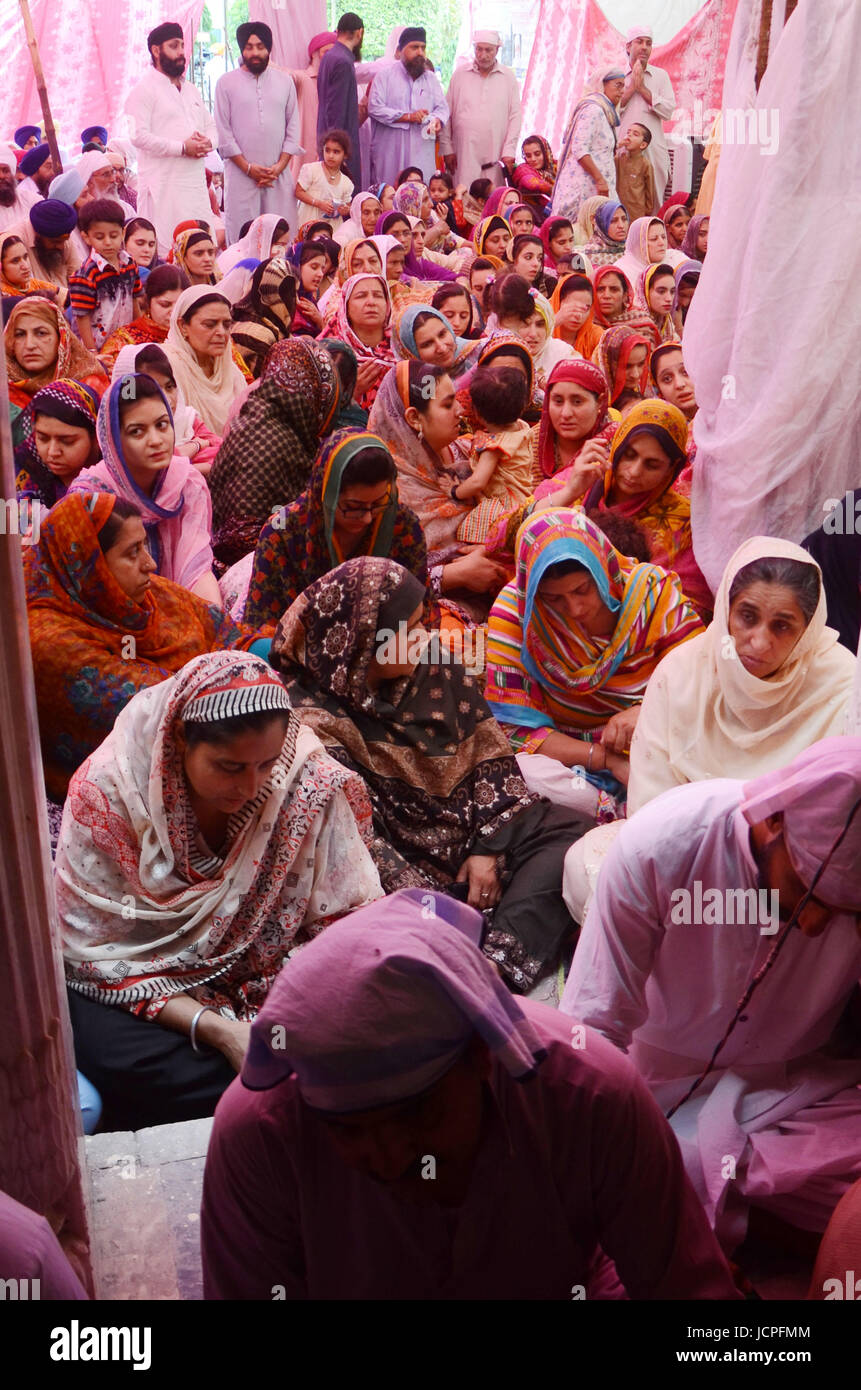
{"x":450,"y":805}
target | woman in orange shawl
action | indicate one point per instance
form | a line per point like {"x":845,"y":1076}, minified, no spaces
{"x":647,"y":454}
{"x":41,"y":348}
{"x":94,"y":644}
{"x":573,"y":303}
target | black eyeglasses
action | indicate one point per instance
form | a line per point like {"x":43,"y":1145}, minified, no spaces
{"x":365,"y":508}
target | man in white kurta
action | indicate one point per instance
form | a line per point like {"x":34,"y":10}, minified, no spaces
{"x":172,"y":132}
{"x":12,"y":207}
{"x":670,"y":946}
{"x":485,"y":115}
{"x":407,"y":109}
{"x":648,"y":100}
{"x":259,"y":125}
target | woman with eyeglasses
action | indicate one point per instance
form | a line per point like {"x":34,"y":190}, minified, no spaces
{"x":350,"y":508}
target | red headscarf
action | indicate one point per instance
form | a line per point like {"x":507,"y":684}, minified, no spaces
{"x":552,"y":225}
{"x":591,"y":378}
{"x":614,"y":350}
{"x":597,"y":311}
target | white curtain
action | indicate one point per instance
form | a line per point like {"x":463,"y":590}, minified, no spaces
{"x":773,"y":335}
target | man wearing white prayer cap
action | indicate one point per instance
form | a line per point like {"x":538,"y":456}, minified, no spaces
{"x":647,"y":100}
{"x":485,"y":117}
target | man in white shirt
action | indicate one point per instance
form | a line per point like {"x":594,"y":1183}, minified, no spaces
{"x":486,"y":115}
{"x":648,"y":100}
{"x":172,"y":132}
{"x":12,"y":208}
{"x":721,"y":950}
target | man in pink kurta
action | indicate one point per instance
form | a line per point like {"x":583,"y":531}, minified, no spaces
{"x":414,"y":1132}
{"x":694,"y":905}
{"x":305,"y":82}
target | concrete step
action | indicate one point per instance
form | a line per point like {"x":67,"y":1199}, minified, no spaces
{"x":146,"y":1190}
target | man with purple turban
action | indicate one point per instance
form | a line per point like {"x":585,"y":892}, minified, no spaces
{"x":259,"y":125}
{"x":648,"y":100}
{"x":404,"y":1128}
{"x":721,"y":949}
{"x":47,"y":233}
{"x":38,"y":170}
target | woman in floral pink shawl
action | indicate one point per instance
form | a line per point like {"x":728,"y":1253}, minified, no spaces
{"x":165,"y":919}
{"x":365,"y":326}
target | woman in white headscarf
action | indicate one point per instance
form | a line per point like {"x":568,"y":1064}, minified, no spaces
{"x":765,"y":681}
{"x":364,"y":211}
{"x":267,"y":236}
{"x":200,"y":351}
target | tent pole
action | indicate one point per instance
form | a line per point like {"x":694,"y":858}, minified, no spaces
{"x":50,"y":132}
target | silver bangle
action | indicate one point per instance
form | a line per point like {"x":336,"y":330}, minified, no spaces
{"x":205,"y":1008}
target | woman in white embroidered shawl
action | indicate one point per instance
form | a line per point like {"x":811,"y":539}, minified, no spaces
{"x":765,"y":681}
{"x":208,"y":836}
{"x":201,"y":353}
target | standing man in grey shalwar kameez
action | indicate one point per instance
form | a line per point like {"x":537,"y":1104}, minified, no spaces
{"x":259,"y":125}
{"x":407,"y":110}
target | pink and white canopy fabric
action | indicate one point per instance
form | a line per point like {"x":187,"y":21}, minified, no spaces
{"x":771,"y":338}
{"x":578,"y":29}
{"x":293,"y":23}
{"x":92,"y":55}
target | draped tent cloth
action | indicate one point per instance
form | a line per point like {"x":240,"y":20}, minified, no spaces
{"x":693,"y":59}
{"x":113,"y":38}
{"x":767,"y":462}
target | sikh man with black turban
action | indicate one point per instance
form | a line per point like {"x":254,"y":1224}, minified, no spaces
{"x":172,"y":138}
{"x":259,"y":125}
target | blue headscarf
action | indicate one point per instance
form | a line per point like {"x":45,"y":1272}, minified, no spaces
{"x":604,"y":216}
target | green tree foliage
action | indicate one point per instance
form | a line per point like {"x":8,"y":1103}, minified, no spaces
{"x":441,"y":19}
{"x":213,"y":18}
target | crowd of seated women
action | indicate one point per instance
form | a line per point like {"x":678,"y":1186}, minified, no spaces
{"x":460,"y":422}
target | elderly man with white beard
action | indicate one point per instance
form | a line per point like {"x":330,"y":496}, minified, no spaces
{"x":482,"y":130}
